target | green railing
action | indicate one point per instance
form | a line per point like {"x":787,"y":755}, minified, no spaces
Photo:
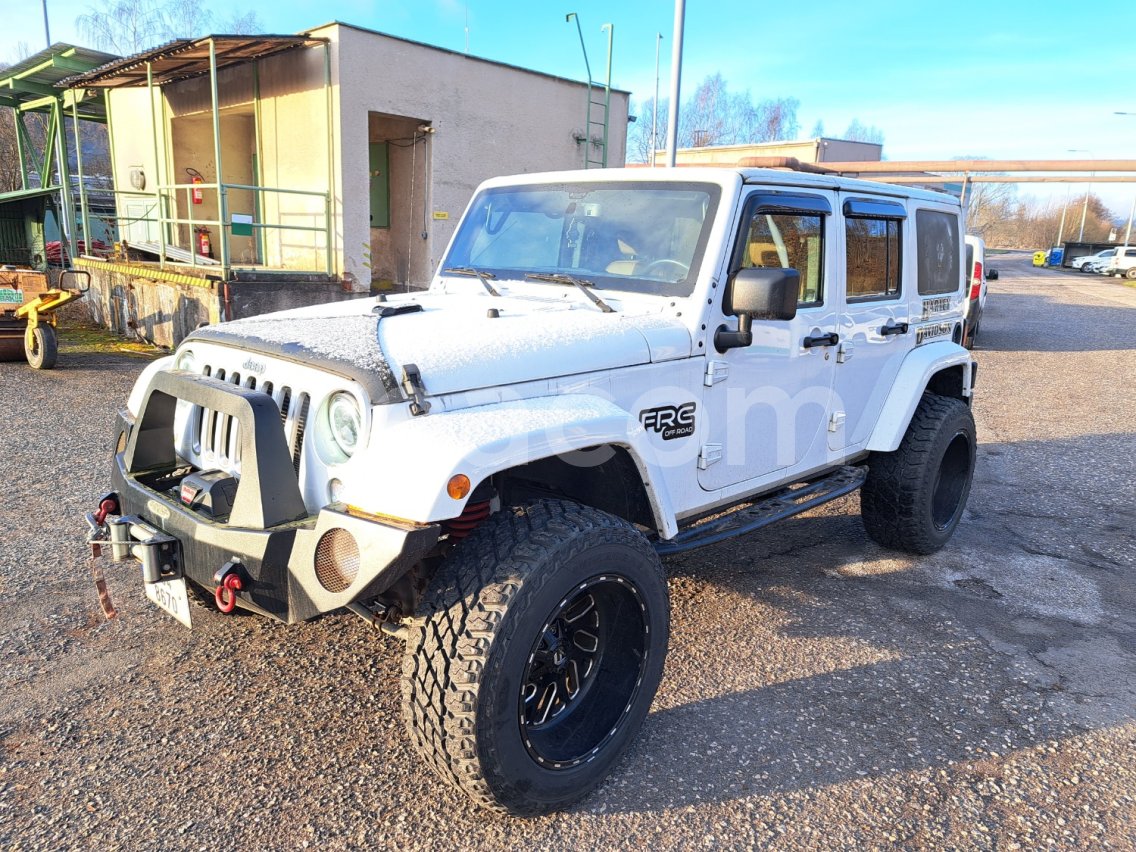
{"x":164,"y":219}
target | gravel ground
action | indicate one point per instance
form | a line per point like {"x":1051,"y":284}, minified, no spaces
{"x":820,"y":692}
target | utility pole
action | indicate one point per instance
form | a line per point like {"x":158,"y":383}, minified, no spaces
{"x":655,"y":105}
{"x":676,"y":82}
{"x":46,"y":27}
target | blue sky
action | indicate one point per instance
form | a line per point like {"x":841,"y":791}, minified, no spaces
{"x":1006,"y":80}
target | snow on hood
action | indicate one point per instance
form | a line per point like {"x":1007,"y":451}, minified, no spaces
{"x":455,"y":344}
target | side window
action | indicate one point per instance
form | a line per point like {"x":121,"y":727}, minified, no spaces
{"x":789,"y":241}
{"x":873,"y":257}
{"x":937,"y":245}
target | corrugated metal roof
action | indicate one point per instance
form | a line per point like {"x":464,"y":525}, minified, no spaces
{"x":38,"y":76}
{"x":183,"y":58}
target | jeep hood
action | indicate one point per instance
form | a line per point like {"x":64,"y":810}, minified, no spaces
{"x":455,"y":343}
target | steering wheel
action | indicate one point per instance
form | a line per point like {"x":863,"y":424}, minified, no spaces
{"x":662,"y":263}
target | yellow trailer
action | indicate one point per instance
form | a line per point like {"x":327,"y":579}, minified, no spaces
{"x":28,"y":320}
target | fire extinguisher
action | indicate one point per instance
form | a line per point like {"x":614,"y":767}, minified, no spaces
{"x":196,"y":178}
{"x":204,"y":246}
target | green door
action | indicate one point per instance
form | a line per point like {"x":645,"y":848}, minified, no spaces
{"x":380,"y":185}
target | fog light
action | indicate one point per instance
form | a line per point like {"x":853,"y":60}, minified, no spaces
{"x":337,"y":560}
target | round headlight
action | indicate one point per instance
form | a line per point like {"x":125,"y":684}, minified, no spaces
{"x":186,"y":360}
{"x":345,"y":422}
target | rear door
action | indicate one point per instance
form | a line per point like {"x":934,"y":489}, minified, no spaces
{"x":875,"y":321}
{"x":767,"y":403}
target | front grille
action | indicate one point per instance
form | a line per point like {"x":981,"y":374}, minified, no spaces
{"x":216,"y":437}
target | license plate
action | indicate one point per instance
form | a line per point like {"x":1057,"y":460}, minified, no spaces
{"x":172,"y":596}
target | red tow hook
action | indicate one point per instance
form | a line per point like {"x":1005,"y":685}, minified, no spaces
{"x":107,"y":506}
{"x":229,"y":582}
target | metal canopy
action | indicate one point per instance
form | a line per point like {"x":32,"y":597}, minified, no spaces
{"x":31,"y":85}
{"x":184,"y":58}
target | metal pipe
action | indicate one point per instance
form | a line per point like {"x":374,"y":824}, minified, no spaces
{"x":79,"y":167}
{"x":676,"y":82}
{"x":330,"y":195}
{"x":221,"y":200}
{"x":655,"y":103}
{"x":157,"y":166}
{"x":46,"y":26}
{"x":957,"y":166}
{"x":66,"y":199}
{"x":17,"y":125}
{"x":607,"y":89}
{"x":1128,"y":231}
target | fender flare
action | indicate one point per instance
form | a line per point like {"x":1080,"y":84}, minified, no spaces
{"x":918,"y":367}
{"x":418,"y":456}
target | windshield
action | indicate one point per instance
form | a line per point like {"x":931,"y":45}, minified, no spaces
{"x":645,"y":237}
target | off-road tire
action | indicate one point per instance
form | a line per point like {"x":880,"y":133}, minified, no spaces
{"x":476,"y":634}
{"x":45,"y":350}
{"x":913,"y":498}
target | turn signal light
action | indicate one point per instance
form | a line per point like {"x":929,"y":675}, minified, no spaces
{"x":458,"y":486}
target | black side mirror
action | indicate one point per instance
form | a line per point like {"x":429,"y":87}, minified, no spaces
{"x":991,"y":274}
{"x":760,"y":293}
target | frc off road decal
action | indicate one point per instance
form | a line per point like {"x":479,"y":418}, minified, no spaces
{"x":670,"y":421}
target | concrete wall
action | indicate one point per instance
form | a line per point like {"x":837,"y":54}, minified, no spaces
{"x":155,"y":311}
{"x":489,"y":119}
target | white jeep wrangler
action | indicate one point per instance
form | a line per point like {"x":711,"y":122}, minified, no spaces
{"x":609,"y":366}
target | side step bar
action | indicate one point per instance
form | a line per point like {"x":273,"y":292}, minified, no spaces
{"x":766,"y":510}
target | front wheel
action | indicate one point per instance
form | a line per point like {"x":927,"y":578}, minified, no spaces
{"x":44,"y":349}
{"x":1131,"y":274}
{"x":535,"y":655}
{"x":913,"y":497}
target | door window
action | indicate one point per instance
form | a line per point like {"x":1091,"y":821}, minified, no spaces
{"x":873,"y":257}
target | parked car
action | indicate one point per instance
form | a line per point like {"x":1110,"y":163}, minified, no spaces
{"x":1083,"y":261}
{"x":975,"y":288}
{"x":1122,"y":263}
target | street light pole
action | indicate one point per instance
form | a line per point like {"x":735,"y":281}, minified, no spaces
{"x":655,"y":106}
{"x":676,"y":81}
{"x":1088,"y":189}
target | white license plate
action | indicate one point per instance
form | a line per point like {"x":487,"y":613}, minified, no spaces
{"x":172,"y":596}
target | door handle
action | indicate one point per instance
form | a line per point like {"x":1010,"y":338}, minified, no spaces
{"x":894,"y":328}
{"x":830,"y":339}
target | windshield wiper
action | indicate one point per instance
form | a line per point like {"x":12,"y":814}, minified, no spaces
{"x":480,"y":274}
{"x":579,"y":283}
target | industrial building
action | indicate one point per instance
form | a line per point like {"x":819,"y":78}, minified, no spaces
{"x":258,"y":172}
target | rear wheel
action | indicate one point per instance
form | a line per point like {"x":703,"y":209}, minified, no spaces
{"x":913,"y":497}
{"x":540,"y":647}
{"x":1131,"y":273}
{"x":44,"y":349}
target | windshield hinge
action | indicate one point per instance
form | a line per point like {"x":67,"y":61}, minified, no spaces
{"x":412,"y":385}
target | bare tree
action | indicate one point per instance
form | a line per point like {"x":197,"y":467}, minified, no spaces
{"x":129,"y":26}
{"x":858,"y":132}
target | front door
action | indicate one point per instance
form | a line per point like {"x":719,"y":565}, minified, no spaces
{"x":767,"y":404}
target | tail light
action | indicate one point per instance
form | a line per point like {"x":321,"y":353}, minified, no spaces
{"x":976,"y":278}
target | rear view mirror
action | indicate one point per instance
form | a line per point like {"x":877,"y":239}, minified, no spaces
{"x":759,"y":293}
{"x":991,"y":274}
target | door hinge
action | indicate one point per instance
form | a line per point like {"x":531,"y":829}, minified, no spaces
{"x":710,"y":453}
{"x":844,"y":351}
{"x":836,"y":421}
{"x":716,"y":371}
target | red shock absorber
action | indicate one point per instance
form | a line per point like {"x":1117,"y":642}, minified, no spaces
{"x":467,"y":521}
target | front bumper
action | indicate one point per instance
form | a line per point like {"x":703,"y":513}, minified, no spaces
{"x":269,"y":531}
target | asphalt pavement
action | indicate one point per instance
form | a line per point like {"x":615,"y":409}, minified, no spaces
{"x":820,"y":692}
